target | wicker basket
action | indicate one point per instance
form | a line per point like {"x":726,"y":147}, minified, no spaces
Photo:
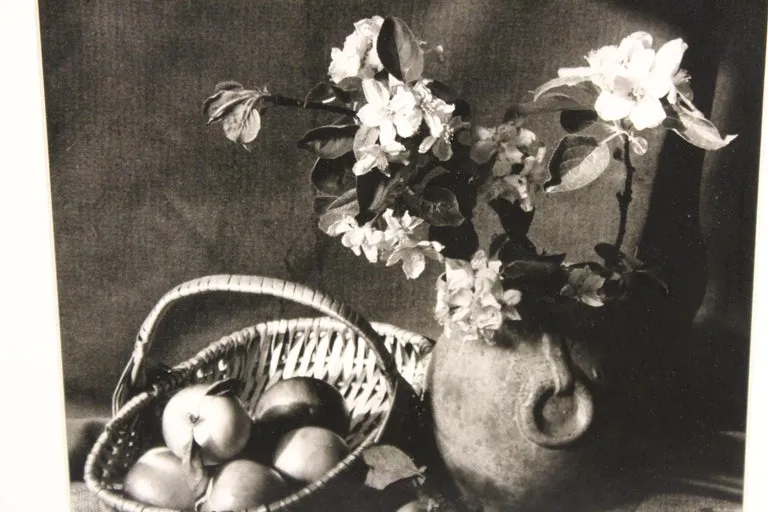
{"x":378,"y":368}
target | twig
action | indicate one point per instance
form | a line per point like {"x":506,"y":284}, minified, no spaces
{"x":284,"y":101}
{"x":625,"y":197}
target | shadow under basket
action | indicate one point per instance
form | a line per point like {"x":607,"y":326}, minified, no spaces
{"x":378,"y":368}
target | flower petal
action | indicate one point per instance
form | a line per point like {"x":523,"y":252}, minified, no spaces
{"x":669,"y":56}
{"x":365,"y":136}
{"x":387,"y":132}
{"x":612,"y":107}
{"x":647,"y":113}
{"x":636,"y":41}
{"x":641,"y":62}
{"x":370,"y":115}
{"x":442,"y":150}
{"x":427,"y":144}
{"x":414,"y":264}
{"x":375,"y":92}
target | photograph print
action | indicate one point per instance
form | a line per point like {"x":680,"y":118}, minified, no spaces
{"x":438,"y":255}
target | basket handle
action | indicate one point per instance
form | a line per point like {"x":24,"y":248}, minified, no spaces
{"x":133,"y":376}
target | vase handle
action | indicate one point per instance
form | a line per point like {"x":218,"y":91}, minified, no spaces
{"x":553,"y":418}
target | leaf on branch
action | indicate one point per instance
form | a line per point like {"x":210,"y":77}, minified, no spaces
{"x":563,"y":81}
{"x":387,"y":464}
{"x":423,"y":177}
{"x":497,"y":242}
{"x":329,"y":141}
{"x":574,"y":121}
{"x":237,"y":109}
{"x":584,"y":285}
{"x":617,"y":260}
{"x":321,"y":203}
{"x":552,"y":102}
{"x":334,"y":176}
{"x":320,"y":93}
{"x":515,"y":221}
{"x":399,"y":50}
{"x":577,"y":162}
{"x":692,"y":126}
{"x":193,"y":468}
{"x":536,"y":269}
{"x":350,"y":84}
{"x":438,"y":206}
{"x":226,"y":387}
{"x":243,"y":124}
{"x":459,"y":242}
{"x":443,"y":91}
{"x":614,"y":258}
{"x":345,"y":206}
{"x":372,"y":191}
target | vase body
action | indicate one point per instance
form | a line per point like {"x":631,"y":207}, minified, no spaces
{"x":537,"y":420}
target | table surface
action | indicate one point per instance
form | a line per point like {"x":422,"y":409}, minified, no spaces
{"x":702,"y":473}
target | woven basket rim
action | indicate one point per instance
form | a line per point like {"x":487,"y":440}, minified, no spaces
{"x":181,"y":371}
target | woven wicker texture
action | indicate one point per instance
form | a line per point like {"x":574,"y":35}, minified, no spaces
{"x":366,"y":363}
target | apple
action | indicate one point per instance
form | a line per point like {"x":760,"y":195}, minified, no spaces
{"x":303,"y":401}
{"x":218,"y":423}
{"x":242,"y":484}
{"x":158,"y":479}
{"x":307,"y":453}
{"x":413,"y":506}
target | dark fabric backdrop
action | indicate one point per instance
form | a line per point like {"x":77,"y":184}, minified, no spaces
{"x":146,"y":196}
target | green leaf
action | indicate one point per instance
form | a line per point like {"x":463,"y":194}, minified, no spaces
{"x":698,"y":130}
{"x":577,"y":162}
{"x":610,"y":254}
{"x":399,"y":50}
{"x":443,"y":91}
{"x":423,"y":178}
{"x":226,"y":387}
{"x":371,"y":191}
{"x":538,"y":269}
{"x":497,"y":242}
{"x":350,"y":84}
{"x":438,"y":206}
{"x":242,"y":124}
{"x":459,"y":242}
{"x":334,"y":176}
{"x":329,"y":141}
{"x":387,"y":464}
{"x":226,"y":96}
{"x":584,"y":285}
{"x":321,"y":203}
{"x":345,"y":205}
{"x":564,"y":81}
{"x":193,"y":468}
{"x":574,"y":121}
{"x":237,"y":109}
{"x":320,"y":93}
{"x":554,"y":102}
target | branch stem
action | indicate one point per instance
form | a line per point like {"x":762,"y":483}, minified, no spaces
{"x":625,"y":197}
{"x":284,"y":101}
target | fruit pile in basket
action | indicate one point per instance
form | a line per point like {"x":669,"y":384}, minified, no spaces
{"x":218,"y":457}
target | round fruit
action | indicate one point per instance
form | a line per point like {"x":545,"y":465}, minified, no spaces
{"x":242,"y":484}
{"x":158,"y":479}
{"x":261,"y":443}
{"x":303,"y":401}
{"x":219,"y":424}
{"x":413,"y":506}
{"x":306,"y":454}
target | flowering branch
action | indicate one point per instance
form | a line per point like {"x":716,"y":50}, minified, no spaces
{"x":398,"y":181}
{"x":625,"y":197}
